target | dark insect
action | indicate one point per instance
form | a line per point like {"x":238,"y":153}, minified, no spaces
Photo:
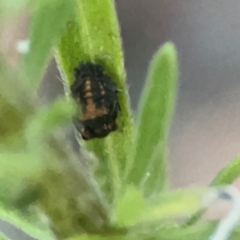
{"x":96,"y":96}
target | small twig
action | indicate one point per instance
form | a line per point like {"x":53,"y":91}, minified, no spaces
{"x":226,"y":225}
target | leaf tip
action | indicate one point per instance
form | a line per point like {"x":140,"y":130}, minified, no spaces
{"x":169,"y":49}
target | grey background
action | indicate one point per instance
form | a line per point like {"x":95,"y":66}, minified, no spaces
{"x":205,"y":131}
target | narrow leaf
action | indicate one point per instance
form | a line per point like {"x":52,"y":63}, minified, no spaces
{"x":155,"y":112}
{"x":176,"y":203}
{"x":129,"y":208}
{"x":96,"y":237}
{"x":132,"y":209}
{"x":94,"y":37}
{"x":226,"y":176}
{"x":36,"y":229}
{"x":2,"y":237}
{"x":44,"y":123}
{"x":156,"y":231}
{"x":47,"y":26}
{"x":198,"y":232}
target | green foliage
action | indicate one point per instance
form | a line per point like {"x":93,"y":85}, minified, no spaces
{"x":2,"y":237}
{"x":45,"y":122}
{"x":129,"y":207}
{"x":164,"y":232}
{"x":226,"y":176}
{"x":47,"y":25}
{"x":32,"y":226}
{"x":80,"y":44}
{"x":126,"y":195}
{"x":132,"y":208}
{"x":148,"y":166}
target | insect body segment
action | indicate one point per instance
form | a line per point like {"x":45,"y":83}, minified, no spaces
{"x":96,"y":96}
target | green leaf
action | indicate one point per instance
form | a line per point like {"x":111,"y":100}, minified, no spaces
{"x":72,"y":201}
{"x":44,"y":123}
{"x":132,"y":209}
{"x":18,"y":171}
{"x":34,"y":228}
{"x":226,"y":176}
{"x":2,"y":237}
{"x":176,"y":203}
{"x":158,"y":231}
{"x":198,"y":232}
{"x":96,"y":237}
{"x":60,"y":186}
{"x":13,"y":163}
{"x":94,"y":37}
{"x":129,"y":208}
{"x":11,"y":120}
{"x":147,"y":162}
{"x":14,"y":107}
{"x":47,"y":26}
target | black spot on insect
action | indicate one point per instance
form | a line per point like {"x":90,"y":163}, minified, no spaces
{"x":96,"y":96}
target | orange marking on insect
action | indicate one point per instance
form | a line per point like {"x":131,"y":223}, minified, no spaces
{"x":88,"y":85}
{"x":88,"y":94}
{"x":92,"y":112}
